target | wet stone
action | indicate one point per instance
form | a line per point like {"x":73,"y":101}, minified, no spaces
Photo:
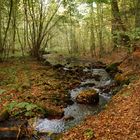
{"x":85,"y":97}
{"x":89,"y":96}
{"x":97,"y":77}
{"x":88,"y":85}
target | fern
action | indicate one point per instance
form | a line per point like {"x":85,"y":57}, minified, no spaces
{"x":28,"y":109}
{"x":2,"y":91}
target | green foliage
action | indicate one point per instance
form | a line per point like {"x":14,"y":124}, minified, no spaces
{"x":2,"y":91}
{"x":126,"y":94}
{"x":97,"y":1}
{"x":24,"y":108}
{"x":89,"y":133}
{"x":135,"y":34}
{"x":112,"y":67}
{"x":8,"y":76}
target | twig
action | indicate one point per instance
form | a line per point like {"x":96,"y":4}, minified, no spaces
{"x":18,"y":133}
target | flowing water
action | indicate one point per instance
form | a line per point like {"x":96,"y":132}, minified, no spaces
{"x":78,"y":111}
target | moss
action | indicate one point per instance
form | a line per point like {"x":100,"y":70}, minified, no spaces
{"x":89,"y":134}
{"x":122,"y":79}
{"x":89,"y":96}
{"x":112,"y":69}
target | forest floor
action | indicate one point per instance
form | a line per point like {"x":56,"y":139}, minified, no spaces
{"x":120,"y":120}
{"x":27,"y":81}
{"x":30,"y":89}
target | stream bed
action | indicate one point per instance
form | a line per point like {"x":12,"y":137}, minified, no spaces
{"x":76,"y":112}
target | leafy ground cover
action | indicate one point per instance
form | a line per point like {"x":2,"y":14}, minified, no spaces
{"x":28,"y":89}
{"x":27,"y":85}
{"x":120,"y":120}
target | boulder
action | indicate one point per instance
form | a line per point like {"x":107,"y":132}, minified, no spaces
{"x":47,"y":63}
{"x":88,"y":96}
{"x":112,"y":69}
{"x":121,"y":79}
{"x":97,"y":77}
{"x":51,"y":112}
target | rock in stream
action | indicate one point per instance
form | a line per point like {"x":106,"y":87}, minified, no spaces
{"x":89,"y":95}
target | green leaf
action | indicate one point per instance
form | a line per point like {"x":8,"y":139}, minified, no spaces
{"x":89,"y":133}
{"x":16,"y":113}
{"x":126,"y":94}
{"x":11,"y":106}
{"x":2,"y":91}
{"x":98,"y":1}
{"x":22,"y":104}
{"x":31,"y":107}
{"x":23,"y":107}
{"x":29,"y":113}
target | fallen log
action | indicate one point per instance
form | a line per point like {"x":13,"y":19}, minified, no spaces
{"x":14,"y":133}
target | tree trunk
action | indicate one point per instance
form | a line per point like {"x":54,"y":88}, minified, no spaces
{"x":92,"y":36}
{"x":100,"y":28}
{"x":1,"y":49}
{"x":118,"y":29}
{"x":137,"y":14}
{"x":14,"y":16}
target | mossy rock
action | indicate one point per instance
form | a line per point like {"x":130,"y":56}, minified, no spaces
{"x":57,"y":66}
{"x":54,"y":113}
{"x":51,"y":111}
{"x":47,"y":63}
{"x":121,"y":79}
{"x":88,"y":96}
{"x":112,"y":68}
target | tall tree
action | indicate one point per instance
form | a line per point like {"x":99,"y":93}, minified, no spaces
{"x":1,"y":49}
{"x":14,"y":22}
{"x":71,"y":14}
{"x":137,"y":15}
{"x":117,"y":25}
{"x":119,"y":35}
{"x":100,"y":26}
{"x":92,"y":31}
{"x":39,"y":17}
{"x":137,"y":18}
{"x":8,"y":7}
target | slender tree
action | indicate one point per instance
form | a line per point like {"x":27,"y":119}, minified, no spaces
{"x":119,"y":35}
{"x":1,"y":49}
{"x":92,"y":36}
{"x":137,"y":14}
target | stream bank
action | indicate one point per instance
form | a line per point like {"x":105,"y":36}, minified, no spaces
{"x":51,"y":88}
{"x":75,"y":113}
{"x":120,"y":118}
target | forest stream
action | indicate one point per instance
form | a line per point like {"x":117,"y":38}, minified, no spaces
{"x":88,"y":95}
{"x":70,"y":70}
{"x":77,"y":112}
